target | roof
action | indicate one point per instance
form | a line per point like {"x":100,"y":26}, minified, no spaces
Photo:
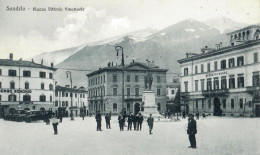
{"x":245,"y":28}
{"x":247,"y":44}
{"x":21,"y":63}
{"x":66,"y":89}
{"x":130,"y":67}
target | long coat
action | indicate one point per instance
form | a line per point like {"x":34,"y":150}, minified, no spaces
{"x":192,"y":127}
{"x":98,"y":117}
{"x":150,"y":121}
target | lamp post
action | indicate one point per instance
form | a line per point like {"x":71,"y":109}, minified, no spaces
{"x":120,"y":48}
{"x":71,"y":95}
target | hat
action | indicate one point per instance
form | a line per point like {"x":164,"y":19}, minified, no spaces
{"x":191,"y":115}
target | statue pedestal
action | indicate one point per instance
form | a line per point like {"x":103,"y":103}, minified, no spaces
{"x":150,"y":106}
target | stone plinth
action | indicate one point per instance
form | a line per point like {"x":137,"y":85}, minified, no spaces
{"x":150,"y":106}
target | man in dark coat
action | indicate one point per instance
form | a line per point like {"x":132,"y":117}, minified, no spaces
{"x":98,"y":120}
{"x":108,"y":118}
{"x":197,"y":115}
{"x":61,"y":115}
{"x":130,"y":121}
{"x":183,"y":114}
{"x":121,"y":122}
{"x":135,"y":119}
{"x":191,"y":131}
{"x":140,"y":121}
{"x":150,"y":121}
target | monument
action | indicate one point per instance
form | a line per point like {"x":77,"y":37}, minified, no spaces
{"x":148,"y":98}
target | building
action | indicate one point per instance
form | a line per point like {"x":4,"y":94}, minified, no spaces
{"x":63,"y":102}
{"x":172,"y":89}
{"x":105,"y":88}
{"x":224,"y":81}
{"x":25,"y":85}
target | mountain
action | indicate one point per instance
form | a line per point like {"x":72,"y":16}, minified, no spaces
{"x":164,"y":47}
{"x":224,"y":24}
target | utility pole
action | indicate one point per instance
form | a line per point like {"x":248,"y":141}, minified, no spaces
{"x":71,"y":95}
{"x":120,"y":48}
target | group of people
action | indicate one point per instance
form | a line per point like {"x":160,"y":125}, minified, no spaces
{"x":134,"y":121}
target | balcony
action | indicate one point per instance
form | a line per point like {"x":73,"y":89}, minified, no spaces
{"x":217,"y":92}
{"x":253,"y":89}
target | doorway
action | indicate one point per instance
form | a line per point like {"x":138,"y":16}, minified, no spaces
{"x":257,"y":110}
{"x":217,"y":110}
{"x":137,"y":108}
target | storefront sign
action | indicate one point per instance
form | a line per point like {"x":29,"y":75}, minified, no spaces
{"x":216,"y":74}
{"x":15,"y":91}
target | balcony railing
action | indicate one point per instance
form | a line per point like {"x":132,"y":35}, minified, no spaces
{"x":216,"y":92}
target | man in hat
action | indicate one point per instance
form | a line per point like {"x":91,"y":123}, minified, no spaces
{"x":191,"y":131}
{"x":108,"y":118}
{"x":130,"y":121}
{"x":121,"y":122}
{"x":150,"y":121}
{"x":98,"y":120}
{"x":140,"y":121}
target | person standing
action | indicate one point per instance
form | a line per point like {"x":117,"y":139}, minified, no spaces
{"x":192,"y":130}
{"x":130,"y":121}
{"x":197,"y":115}
{"x":83,"y":115}
{"x":108,"y":118}
{"x":183,"y":114}
{"x":135,"y":118}
{"x":61,"y":117}
{"x":98,"y":120}
{"x":121,"y":122}
{"x":203,"y":114}
{"x":140,"y":121}
{"x":55,"y":124}
{"x":150,"y":121}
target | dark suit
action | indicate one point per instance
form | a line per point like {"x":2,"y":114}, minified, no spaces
{"x":121,"y":122}
{"x":130,"y":121}
{"x":140,"y":121}
{"x":150,"y":121}
{"x":107,"y":118}
{"x":192,"y":130}
{"x":98,"y":119}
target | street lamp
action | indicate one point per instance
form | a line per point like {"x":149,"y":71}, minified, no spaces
{"x":71,"y":95}
{"x":120,"y":48}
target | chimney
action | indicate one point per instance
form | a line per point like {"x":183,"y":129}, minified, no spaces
{"x":11,"y":56}
{"x":108,"y":64}
{"x":133,"y":61}
{"x":51,"y":65}
{"x":112,"y":63}
{"x":32,"y":61}
{"x":42,"y":62}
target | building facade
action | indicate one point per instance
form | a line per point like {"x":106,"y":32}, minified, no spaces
{"x":224,"y":81}
{"x":25,"y":85}
{"x":105,"y":88}
{"x":63,"y":102}
{"x":172,"y":89}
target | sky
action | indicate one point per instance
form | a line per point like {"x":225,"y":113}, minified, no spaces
{"x":29,"y":33}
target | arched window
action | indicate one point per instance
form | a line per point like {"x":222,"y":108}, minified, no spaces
{"x":159,"y":107}
{"x":235,"y":36}
{"x":239,"y":36}
{"x":247,"y":34}
{"x":243,"y":35}
{"x":128,"y":107}
{"x":26,"y":85}
{"x":114,"y":107}
{"x":12,"y":85}
{"x":12,"y":98}
{"x":50,"y":86}
{"x":42,"y":98}
{"x":42,"y":86}
{"x":257,"y":34}
{"x":26,"y":98}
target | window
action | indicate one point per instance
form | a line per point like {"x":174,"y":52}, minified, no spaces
{"x":240,"y":81}
{"x":77,"y":95}
{"x":56,"y":103}
{"x":81,"y":95}
{"x":104,"y":79}
{"x":43,"y":74}
{"x":202,"y":68}
{"x":158,"y":79}
{"x":232,"y":103}
{"x":223,"y":82}
{"x":158,"y":92}
{"x":255,"y":57}
{"x":209,"y":104}
{"x":128,"y":107}
{"x":136,"y":91}
{"x":216,"y":84}
{"x":114,"y":91}
{"x":26,"y":73}
{"x":56,"y":93}
{"x":231,"y":82}
{"x":0,"y":84}
{"x":12,"y":98}
{"x":42,"y":86}
{"x":128,"y":91}
{"x":202,"y":104}
{"x":172,"y":91}
{"x":216,"y":65}
{"x":209,"y":84}
{"x":249,"y":104}
{"x":42,"y":98}
{"x":0,"y":71}
{"x":158,"y":106}
{"x":202,"y":84}
{"x":67,"y":94}
{"x":256,"y":79}
{"x":63,"y":103}
{"x":136,"y":78}
{"x":128,"y":78}
{"x":196,"y":85}
{"x":50,"y":98}
{"x":240,"y":61}
{"x":197,"y":104}
{"x":26,"y":85}
{"x":12,"y":72}
{"x":50,"y":86}
{"x":224,"y":103}
{"x":114,"y":107}
{"x":208,"y":67}
{"x":241,"y":103}
{"x":223,"y":64}
{"x":231,"y":62}
{"x":12,"y":85}
{"x":186,"y":86}
{"x":50,"y":75}
{"x":196,"y":69}
{"x":186,"y":71}
{"x":26,"y":98}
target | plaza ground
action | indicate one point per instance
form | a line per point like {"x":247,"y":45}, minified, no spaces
{"x":223,"y":136}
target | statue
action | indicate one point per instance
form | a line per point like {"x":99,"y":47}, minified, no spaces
{"x":148,"y":81}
